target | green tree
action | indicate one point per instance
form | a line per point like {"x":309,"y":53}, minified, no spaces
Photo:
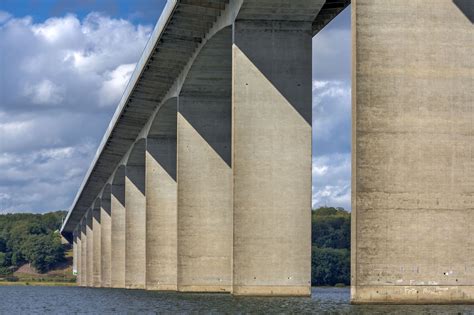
{"x":3,"y":262}
{"x":330,"y":266}
{"x":26,"y":237}
{"x":331,"y":230}
{"x":43,"y":251}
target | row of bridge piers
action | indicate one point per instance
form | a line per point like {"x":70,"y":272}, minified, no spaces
{"x":215,"y":195}
{"x":202,"y":182}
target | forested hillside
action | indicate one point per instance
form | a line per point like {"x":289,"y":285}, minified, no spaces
{"x":331,"y":238}
{"x":30,"y":238}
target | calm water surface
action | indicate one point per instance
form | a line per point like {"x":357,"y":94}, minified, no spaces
{"x":75,"y":300}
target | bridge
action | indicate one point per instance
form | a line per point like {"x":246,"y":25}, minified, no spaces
{"x":202,"y":182}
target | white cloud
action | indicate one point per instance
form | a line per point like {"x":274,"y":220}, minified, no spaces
{"x":331,"y":117}
{"x":116,"y":81}
{"x":44,"y":179}
{"x":44,"y":93}
{"x":81,"y":66}
{"x":55,"y":30}
{"x":60,"y":82}
{"x":332,"y":181}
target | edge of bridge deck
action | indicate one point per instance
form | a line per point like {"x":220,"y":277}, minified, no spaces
{"x":150,"y":46}
{"x":106,"y":151}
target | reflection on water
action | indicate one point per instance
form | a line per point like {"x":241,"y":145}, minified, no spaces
{"x":63,"y":300}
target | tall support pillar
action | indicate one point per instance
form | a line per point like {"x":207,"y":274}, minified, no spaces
{"x":135,"y":218}
{"x":272,"y":157}
{"x":79,"y":256}
{"x":204,"y":171}
{"x":74,"y":251}
{"x":161,"y":201}
{"x":117,"y":208}
{"x":90,"y":249}
{"x":83,"y":271}
{"x":106,"y":237}
{"x":413,"y":144}
{"x":96,"y":227}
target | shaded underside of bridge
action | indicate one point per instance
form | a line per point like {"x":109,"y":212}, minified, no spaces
{"x":179,"y":32}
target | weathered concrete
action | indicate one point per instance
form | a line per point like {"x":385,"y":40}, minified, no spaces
{"x":117,"y":207}
{"x":272,"y":157}
{"x":135,"y":218}
{"x":97,"y":242}
{"x":89,"y":250}
{"x":83,"y":271}
{"x":413,"y":168}
{"x":204,"y":171}
{"x":106,"y":237}
{"x":79,"y":257}
{"x":161,"y":201}
{"x":243,"y":215}
{"x":74,"y":252}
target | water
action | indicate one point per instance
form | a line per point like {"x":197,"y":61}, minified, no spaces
{"x":75,"y":300}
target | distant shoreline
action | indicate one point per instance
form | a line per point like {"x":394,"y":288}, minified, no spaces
{"x":38,"y":283}
{"x":73,"y":284}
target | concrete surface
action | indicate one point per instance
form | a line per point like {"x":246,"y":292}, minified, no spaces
{"x":272,"y":158}
{"x":117,"y":207}
{"x":97,"y":242}
{"x":413,"y":130}
{"x":161,"y":201}
{"x":244,"y":152}
{"x":135,"y":218}
{"x":74,"y":252}
{"x":204,"y":172}
{"x":83,"y":270}
{"x":106,"y":237}
{"x":89,"y":250}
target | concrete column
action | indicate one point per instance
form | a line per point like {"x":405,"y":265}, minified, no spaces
{"x":117,"y":207}
{"x":90,"y":249}
{"x":413,"y":144}
{"x":83,"y":274}
{"x":106,"y":237}
{"x":204,"y":171}
{"x":272,"y":157}
{"x":74,"y":251}
{"x":96,"y":227}
{"x":79,"y":257}
{"x":161,"y":201}
{"x":135,"y":218}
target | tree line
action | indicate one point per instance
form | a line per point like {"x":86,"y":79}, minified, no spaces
{"x":331,"y":242}
{"x":34,"y":239}
{"x":30,"y":238}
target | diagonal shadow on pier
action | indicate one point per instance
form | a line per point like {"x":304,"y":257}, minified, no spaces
{"x":466,"y":7}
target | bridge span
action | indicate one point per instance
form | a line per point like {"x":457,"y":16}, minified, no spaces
{"x":202,"y":182}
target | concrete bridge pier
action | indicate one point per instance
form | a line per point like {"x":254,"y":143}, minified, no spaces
{"x":204,"y":171}
{"x":79,"y":256}
{"x":161,"y":200}
{"x":413,"y":144}
{"x":76,"y":244}
{"x":271,"y":84}
{"x":117,"y":208}
{"x":135,"y":218}
{"x":83,"y":263}
{"x":89,"y":249}
{"x":96,"y":228}
{"x":106,"y":237}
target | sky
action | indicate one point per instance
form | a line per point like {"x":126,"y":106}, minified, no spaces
{"x":63,"y":67}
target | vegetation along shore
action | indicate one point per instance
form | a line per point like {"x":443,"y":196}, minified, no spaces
{"x":33,"y":253}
